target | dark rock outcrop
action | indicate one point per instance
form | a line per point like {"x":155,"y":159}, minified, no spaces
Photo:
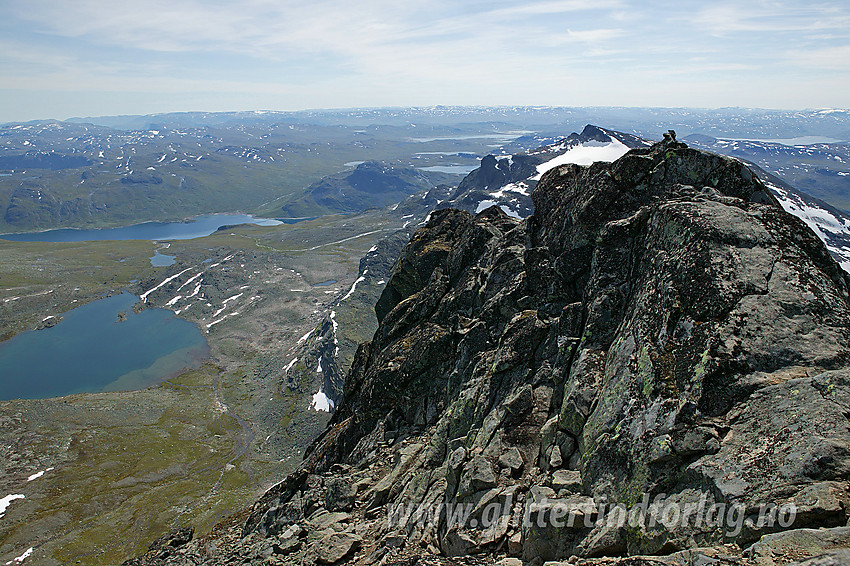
{"x":164,"y":548}
{"x":519,"y":171}
{"x":659,"y":336}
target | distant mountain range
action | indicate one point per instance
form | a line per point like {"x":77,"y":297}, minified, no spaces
{"x":652,"y":122}
{"x":821,"y":169}
{"x":122,"y":170}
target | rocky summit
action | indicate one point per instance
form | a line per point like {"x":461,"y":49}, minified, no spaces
{"x":654,"y":368}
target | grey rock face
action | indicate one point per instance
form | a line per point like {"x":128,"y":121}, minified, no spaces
{"x":340,"y":494}
{"x":334,"y":547}
{"x":659,"y":325}
{"x":660,"y":336}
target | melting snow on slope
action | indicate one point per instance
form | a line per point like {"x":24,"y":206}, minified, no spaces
{"x":520,"y":188}
{"x":822,"y":222}
{"x":585,"y":154}
{"x":6,"y":501}
{"x":213,"y":323}
{"x":354,"y":286}
{"x":335,"y":327}
{"x":321,"y":402}
{"x":224,"y":305}
{"x":37,"y":475}
{"x":21,"y":558}
{"x":144,"y":296}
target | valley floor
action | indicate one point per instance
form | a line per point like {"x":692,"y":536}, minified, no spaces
{"x":118,"y":469}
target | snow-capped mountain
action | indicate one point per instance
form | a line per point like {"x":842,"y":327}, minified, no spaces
{"x":507,"y":182}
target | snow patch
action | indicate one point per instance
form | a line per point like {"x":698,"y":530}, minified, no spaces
{"x":37,"y":475}
{"x":144,"y":296}
{"x":520,"y":188}
{"x":189,"y":281}
{"x":321,"y":402}
{"x":354,"y":285}
{"x":485,"y":204}
{"x":21,"y":558}
{"x":585,"y":153}
{"x":822,"y":222}
{"x":6,"y":501}
{"x":221,"y":319}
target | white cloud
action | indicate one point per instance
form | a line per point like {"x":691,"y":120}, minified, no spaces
{"x":833,"y":58}
{"x":286,"y":54}
{"x":557,"y":7}
{"x":762,"y":16}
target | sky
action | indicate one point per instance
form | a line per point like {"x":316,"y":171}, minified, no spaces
{"x":61,"y":58}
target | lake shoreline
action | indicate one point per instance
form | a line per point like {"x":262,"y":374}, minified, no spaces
{"x":204,"y":225}
{"x":94,"y":347}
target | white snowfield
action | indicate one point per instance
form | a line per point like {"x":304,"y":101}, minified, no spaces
{"x":21,"y":558}
{"x":37,"y":475}
{"x":585,"y":153}
{"x":485,"y":204}
{"x":6,"y":501}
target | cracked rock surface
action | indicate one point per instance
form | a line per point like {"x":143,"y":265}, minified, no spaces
{"x":660,"y":328}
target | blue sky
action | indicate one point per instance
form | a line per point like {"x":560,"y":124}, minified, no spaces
{"x":62,"y":58}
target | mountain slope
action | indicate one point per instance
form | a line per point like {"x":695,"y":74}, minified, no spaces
{"x":830,"y":224}
{"x":372,"y":184}
{"x":637,"y":339}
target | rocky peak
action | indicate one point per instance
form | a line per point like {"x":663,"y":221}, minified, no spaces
{"x":508,"y":180}
{"x":660,"y":330}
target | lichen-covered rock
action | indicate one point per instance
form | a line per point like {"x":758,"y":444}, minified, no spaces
{"x":660,"y":342}
{"x":649,"y":327}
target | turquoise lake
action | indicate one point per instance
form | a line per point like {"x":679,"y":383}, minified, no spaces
{"x":91,"y":351}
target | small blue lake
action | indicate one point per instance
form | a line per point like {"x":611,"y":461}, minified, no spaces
{"x":162,"y":260}
{"x":90,"y":350}
{"x":197,"y":227}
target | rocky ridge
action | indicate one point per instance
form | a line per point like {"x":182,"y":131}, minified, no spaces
{"x":507,"y":180}
{"x":659,"y":335}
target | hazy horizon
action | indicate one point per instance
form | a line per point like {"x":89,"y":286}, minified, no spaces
{"x":90,"y":59}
